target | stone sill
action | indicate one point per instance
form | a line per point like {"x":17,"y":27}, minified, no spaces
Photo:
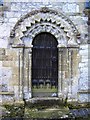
{"x":3,"y":8}
{"x":6,"y":93}
{"x":84,"y":91}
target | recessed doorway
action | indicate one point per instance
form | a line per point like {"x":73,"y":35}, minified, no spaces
{"x":44,"y":65}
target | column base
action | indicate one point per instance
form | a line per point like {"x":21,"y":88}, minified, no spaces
{"x":27,"y":95}
{"x":69,"y":96}
{"x":72,"y":98}
{"x":21,"y":97}
{"x":60,"y":95}
{"x":30,"y":94}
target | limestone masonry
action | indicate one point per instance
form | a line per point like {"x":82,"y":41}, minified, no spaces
{"x":20,"y":23}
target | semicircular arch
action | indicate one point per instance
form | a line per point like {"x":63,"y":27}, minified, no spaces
{"x":44,"y":20}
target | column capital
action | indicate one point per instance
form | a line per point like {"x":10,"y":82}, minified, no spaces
{"x":27,"y":47}
{"x":73,"y":48}
{"x":60,"y":49}
{"x":18,"y":46}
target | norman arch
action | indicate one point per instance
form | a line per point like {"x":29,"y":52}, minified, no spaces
{"x":58,"y":25}
{"x":44,"y":20}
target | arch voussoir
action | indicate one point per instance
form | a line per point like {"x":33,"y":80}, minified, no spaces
{"x":44,"y":20}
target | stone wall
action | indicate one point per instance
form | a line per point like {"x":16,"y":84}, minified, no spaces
{"x":9,"y":73}
{"x":12,"y":12}
{"x":84,"y":76}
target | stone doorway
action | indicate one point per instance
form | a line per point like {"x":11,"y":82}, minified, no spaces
{"x":44,"y":65}
{"x":66,"y":35}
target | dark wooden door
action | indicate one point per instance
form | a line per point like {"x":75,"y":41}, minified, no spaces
{"x":44,"y":62}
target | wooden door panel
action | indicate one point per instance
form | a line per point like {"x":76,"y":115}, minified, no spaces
{"x":44,"y":60}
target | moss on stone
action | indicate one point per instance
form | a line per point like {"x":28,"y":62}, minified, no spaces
{"x":46,"y":113}
{"x":14,"y":110}
{"x":75,"y":105}
{"x":40,"y":109}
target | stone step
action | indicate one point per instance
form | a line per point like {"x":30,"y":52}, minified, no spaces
{"x":45,"y":107}
{"x":45,"y":102}
{"x":46,"y":113}
{"x":44,"y":94}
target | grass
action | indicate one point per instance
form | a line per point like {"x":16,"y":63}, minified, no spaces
{"x":44,"y":90}
{"x":6,"y":93}
{"x":13,"y":111}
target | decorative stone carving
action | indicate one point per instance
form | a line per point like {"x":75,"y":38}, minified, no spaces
{"x":62,"y":42}
{"x":18,"y":33}
{"x":17,"y":41}
{"x":72,"y":41}
{"x":47,"y":16}
{"x":23,"y":27}
{"x":22,"y":35}
{"x":31,"y":33}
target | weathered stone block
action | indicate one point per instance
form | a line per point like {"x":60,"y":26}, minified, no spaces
{"x":10,"y":87}
{"x":83,"y":52}
{"x":2,"y":51}
{"x":71,"y":7}
{"x":0,"y":63}
{"x":8,"y":63}
{"x":83,"y":64}
{"x":85,"y":57}
{"x":13,"y":20}
{"x":15,"y":78}
{"x":16,"y":6}
{"x":84,"y":60}
{"x":5,"y":30}
{"x":15,"y":71}
{"x":3,"y":42}
{"x":6,"y":58}
{"x":12,"y":53}
{"x":6,"y":98}
{"x":12,"y":14}
{"x":84,"y":47}
{"x":84,"y":97}
{"x":84,"y":69}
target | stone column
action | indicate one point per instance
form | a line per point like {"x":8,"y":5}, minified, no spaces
{"x":26,"y":73}
{"x":59,"y":72}
{"x":20,"y":73}
{"x":70,"y":70}
{"x":30,"y":72}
